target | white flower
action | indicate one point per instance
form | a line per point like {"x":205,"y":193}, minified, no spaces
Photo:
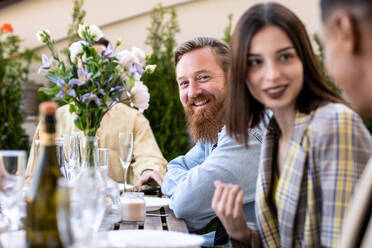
{"x":139,"y":53}
{"x":150,"y":68}
{"x":127,"y":58}
{"x":82,"y":30}
{"x":89,"y":32}
{"x":43,"y":35}
{"x":141,"y":96}
{"x":95,"y":33}
{"x":76,"y":49}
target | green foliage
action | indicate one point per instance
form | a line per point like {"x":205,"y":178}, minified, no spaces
{"x":320,"y":55}
{"x":165,"y":113}
{"x":227,"y":33}
{"x":14,"y":69}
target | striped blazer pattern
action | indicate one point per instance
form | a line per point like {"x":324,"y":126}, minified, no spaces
{"x":325,"y":158}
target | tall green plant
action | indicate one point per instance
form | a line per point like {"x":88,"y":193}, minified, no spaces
{"x":12,"y":74}
{"x":227,"y":33}
{"x":165,"y":113}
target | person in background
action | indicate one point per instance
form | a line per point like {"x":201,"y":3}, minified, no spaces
{"x":315,"y":147}
{"x":347,"y":38}
{"x":147,"y":157}
{"x":201,"y":71}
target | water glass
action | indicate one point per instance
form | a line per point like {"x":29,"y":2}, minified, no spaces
{"x":112,"y":191}
{"x":80,"y":210}
{"x":103,"y":158}
{"x":12,"y":168}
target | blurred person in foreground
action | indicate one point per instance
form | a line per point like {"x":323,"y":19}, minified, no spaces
{"x":315,"y":147}
{"x":147,"y":157}
{"x":201,"y":72}
{"x":347,"y":38}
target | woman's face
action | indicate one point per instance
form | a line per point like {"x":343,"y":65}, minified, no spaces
{"x":275,"y":75}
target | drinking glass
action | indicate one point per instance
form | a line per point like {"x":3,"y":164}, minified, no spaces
{"x":64,"y":212}
{"x":133,"y":208}
{"x":12,"y":168}
{"x":125,"y":148}
{"x":112,"y":191}
{"x":103,"y":159}
{"x":61,"y":156}
{"x":73,"y":154}
{"x":80,"y":210}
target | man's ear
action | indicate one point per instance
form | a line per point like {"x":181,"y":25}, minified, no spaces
{"x":346,"y":30}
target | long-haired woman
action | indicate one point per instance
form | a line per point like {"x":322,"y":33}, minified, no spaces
{"x":315,"y":147}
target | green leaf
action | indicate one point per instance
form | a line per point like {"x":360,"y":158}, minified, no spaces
{"x":53,"y":78}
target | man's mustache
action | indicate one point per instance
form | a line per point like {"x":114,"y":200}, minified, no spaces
{"x":199,"y":98}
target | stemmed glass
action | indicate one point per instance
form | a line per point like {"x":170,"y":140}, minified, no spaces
{"x":73,"y":154}
{"x":12,"y":168}
{"x":125,"y":147}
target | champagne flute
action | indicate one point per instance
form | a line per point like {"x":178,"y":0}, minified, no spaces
{"x":125,"y":148}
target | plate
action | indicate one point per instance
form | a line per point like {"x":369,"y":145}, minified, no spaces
{"x":127,"y":187}
{"x":155,"y":203}
{"x":153,"y":238}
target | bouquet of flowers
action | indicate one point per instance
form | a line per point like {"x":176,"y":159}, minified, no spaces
{"x":91,"y":82}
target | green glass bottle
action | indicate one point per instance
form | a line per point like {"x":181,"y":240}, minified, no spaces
{"x":41,"y":220}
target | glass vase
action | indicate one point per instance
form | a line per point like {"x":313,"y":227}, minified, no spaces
{"x":89,"y":193}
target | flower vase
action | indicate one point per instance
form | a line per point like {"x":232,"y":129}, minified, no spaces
{"x":90,"y":187}
{"x":89,"y":152}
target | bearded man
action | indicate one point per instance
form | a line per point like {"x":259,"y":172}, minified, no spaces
{"x":201,"y":67}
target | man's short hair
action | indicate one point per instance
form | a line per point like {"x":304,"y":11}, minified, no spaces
{"x":328,"y":6}
{"x":221,"y":50}
{"x":102,"y":41}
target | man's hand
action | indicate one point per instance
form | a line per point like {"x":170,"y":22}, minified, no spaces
{"x":150,"y":177}
{"x":228,"y":204}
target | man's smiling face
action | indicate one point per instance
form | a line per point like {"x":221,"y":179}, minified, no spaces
{"x":202,"y":89}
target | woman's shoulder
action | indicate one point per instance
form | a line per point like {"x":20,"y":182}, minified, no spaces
{"x":333,"y":117}
{"x":334,"y":112}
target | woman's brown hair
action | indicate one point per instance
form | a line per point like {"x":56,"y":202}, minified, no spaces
{"x":243,"y":111}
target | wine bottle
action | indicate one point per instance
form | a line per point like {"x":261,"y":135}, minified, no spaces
{"x":41,"y":219}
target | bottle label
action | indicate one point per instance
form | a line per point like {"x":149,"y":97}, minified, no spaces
{"x":47,"y":139}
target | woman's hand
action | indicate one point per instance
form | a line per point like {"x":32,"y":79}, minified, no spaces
{"x":228,"y":204}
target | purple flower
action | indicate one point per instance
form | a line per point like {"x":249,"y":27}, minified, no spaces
{"x":116,"y":89}
{"x":136,"y":69}
{"x":109,"y":52}
{"x":83,"y":77}
{"x":100,"y":89}
{"x":66,"y":88}
{"x":88,"y":97}
{"x":47,"y":63}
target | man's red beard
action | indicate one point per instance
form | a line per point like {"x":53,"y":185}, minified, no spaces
{"x":204,"y":125}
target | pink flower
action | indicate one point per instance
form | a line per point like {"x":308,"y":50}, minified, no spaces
{"x":141,"y":96}
{"x":127,"y":58}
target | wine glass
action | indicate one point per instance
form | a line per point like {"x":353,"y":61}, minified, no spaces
{"x":73,"y":154}
{"x":12,"y":168}
{"x":125,"y":148}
